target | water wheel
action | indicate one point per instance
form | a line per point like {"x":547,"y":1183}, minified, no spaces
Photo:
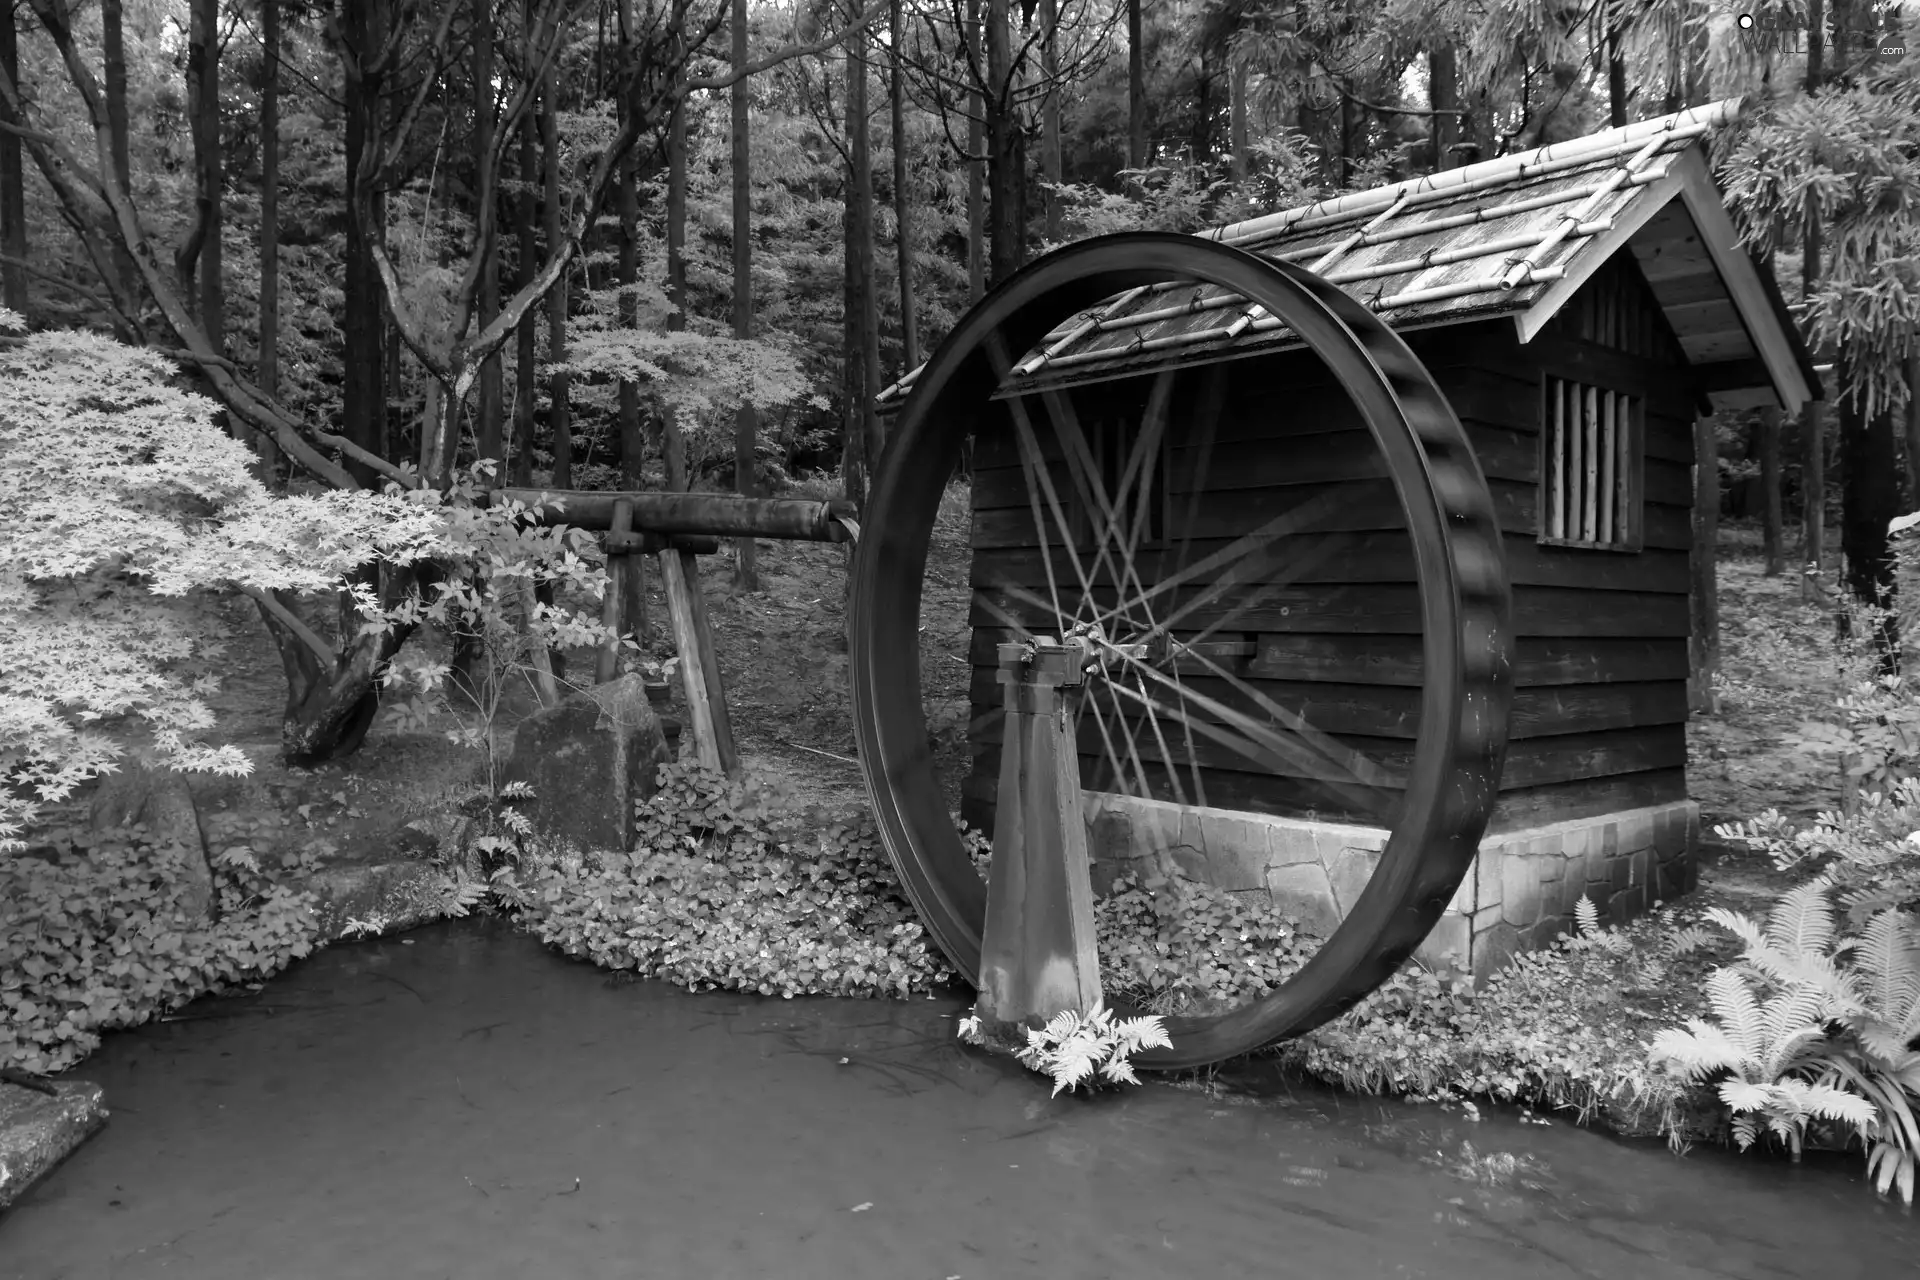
{"x":1167,"y":705}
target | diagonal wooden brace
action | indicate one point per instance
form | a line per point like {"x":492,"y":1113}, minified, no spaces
{"x":1037,"y":955}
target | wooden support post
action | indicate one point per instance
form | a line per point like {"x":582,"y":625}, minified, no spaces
{"x":613,"y":603}
{"x":1037,"y":954}
{"x":699,"y":664}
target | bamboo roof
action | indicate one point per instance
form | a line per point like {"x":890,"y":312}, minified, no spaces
{"x":1515,"y":236}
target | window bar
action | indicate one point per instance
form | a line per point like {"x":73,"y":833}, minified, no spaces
{"x":1575,"y":500}
{"x":1590,"y":522}
{"x":1556,"y":449}
{"x":1609,"y":499}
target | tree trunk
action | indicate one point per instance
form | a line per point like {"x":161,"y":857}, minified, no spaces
{"x":1616,"y":81}
{"x":1201,"y":141}
{"x":673,"y":442}
{"x":1704,"y":634}
{"x":1237,"y":120}
{"x":902,"y":195}
{"x":1005,"y":218}
{"x":560,"y":387}
{"x":633,"y":448}
{"x":1870,"y":498}
{"x":203,"y":94}
{"x":1050,"y":118}
{"x":1136,"y":87}
{"x":1443,"y":94}
{"x":113,"y":54}
{"x":857,"y":380}
{"x":526,"y":375}
{"x":363,"y":384}
{"x":13,"y":199}
{"x":976,"y":169}
{"x":1772,"y":540}
{"x":489,"y":411}
{"x":328,"y":712}
{"x":746,"y":569}
{"x":1913,"y":417}
{"x":1813,"y":512}
{"x":267,"y":369}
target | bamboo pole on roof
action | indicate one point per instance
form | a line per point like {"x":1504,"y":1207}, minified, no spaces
{"x":1267,"y":324}
{"x":1571,"y":221}
{"x":1408,"y":230}
{"x":1555,"y":158}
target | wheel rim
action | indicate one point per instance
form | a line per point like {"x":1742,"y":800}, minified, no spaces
{"x":1452,"y":781}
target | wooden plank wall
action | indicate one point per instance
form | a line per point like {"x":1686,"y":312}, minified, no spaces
{"x":1600,"y":706}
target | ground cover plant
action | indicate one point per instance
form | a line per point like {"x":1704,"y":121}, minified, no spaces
{"x":98,"y":934}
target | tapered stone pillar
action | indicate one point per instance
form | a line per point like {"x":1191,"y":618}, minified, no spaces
{"x":1037,"y":952}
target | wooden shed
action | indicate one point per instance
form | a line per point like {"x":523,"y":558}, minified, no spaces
{"x":1579,"y":306}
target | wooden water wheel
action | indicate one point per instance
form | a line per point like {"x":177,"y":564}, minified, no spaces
{"x":1156,"y":598}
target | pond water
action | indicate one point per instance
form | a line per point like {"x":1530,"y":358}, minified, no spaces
{"x":465,"y":1104}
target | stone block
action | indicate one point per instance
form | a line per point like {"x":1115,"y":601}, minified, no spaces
{"x":1640,"y":867}
{"x":1304,"y":891}
{"x":1348,"y":874}
{"x":1520,"y":884}
{"x":1487,"y":871}
{"x":1291,"y":843}
{"x":1236,"y":850}
{"x":1463,"y":901}
{"x":588,"y":758}
{"x":39,"y":1130}
{"x":1450,"y":943}
{"x":1620,"y":872}
{"x":1484,"y":919}
{"x":1493,"y":948}
{"x":1627,"y":903}
{"x":1610,"y":841}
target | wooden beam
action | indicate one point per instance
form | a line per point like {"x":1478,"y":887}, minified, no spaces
{"x":716,"y":515}
{"x":613,"y":603}
{"x":699,"y":664}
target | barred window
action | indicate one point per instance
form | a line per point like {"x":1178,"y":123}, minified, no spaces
{"x":1590,"y":466}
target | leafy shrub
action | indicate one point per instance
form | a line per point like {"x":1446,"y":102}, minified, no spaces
{"x":1560,"y":1028}
{"x":1173,"y":945}
{"x":1869,"y":853}
{"x":728,"y":889}
{"x":1814,"y":1024}
{"x":100,"y":938}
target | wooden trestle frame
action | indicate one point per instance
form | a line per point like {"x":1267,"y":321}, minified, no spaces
{"x":677,"y":528}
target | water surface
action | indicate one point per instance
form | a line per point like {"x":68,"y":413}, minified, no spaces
{"x":466,"y":1105}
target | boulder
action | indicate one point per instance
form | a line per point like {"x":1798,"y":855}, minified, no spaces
{"x":588,"y":758}
{"x":159,"y":800}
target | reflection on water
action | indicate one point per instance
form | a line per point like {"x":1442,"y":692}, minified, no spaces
{"x":471,"y":1106}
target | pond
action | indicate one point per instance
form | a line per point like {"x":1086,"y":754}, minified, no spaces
{"x":462,"y":1103}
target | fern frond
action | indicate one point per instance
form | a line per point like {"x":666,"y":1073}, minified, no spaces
{"x":1697,"y":1052}
{"x":1586,"y":917}
{"x":1887,"y":955}
{"x":1839,"y":1105}
{"x":1740,"y":926}
{"x":1733,"y":1003}
{"x":1801,"y":922}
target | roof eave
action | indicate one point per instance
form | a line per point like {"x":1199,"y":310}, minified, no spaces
{"x":1768,"y":329}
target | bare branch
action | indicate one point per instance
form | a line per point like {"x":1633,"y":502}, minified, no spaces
{"x":291,"y":621}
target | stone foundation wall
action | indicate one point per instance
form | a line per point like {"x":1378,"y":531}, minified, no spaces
{"x":1519,"y":895}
